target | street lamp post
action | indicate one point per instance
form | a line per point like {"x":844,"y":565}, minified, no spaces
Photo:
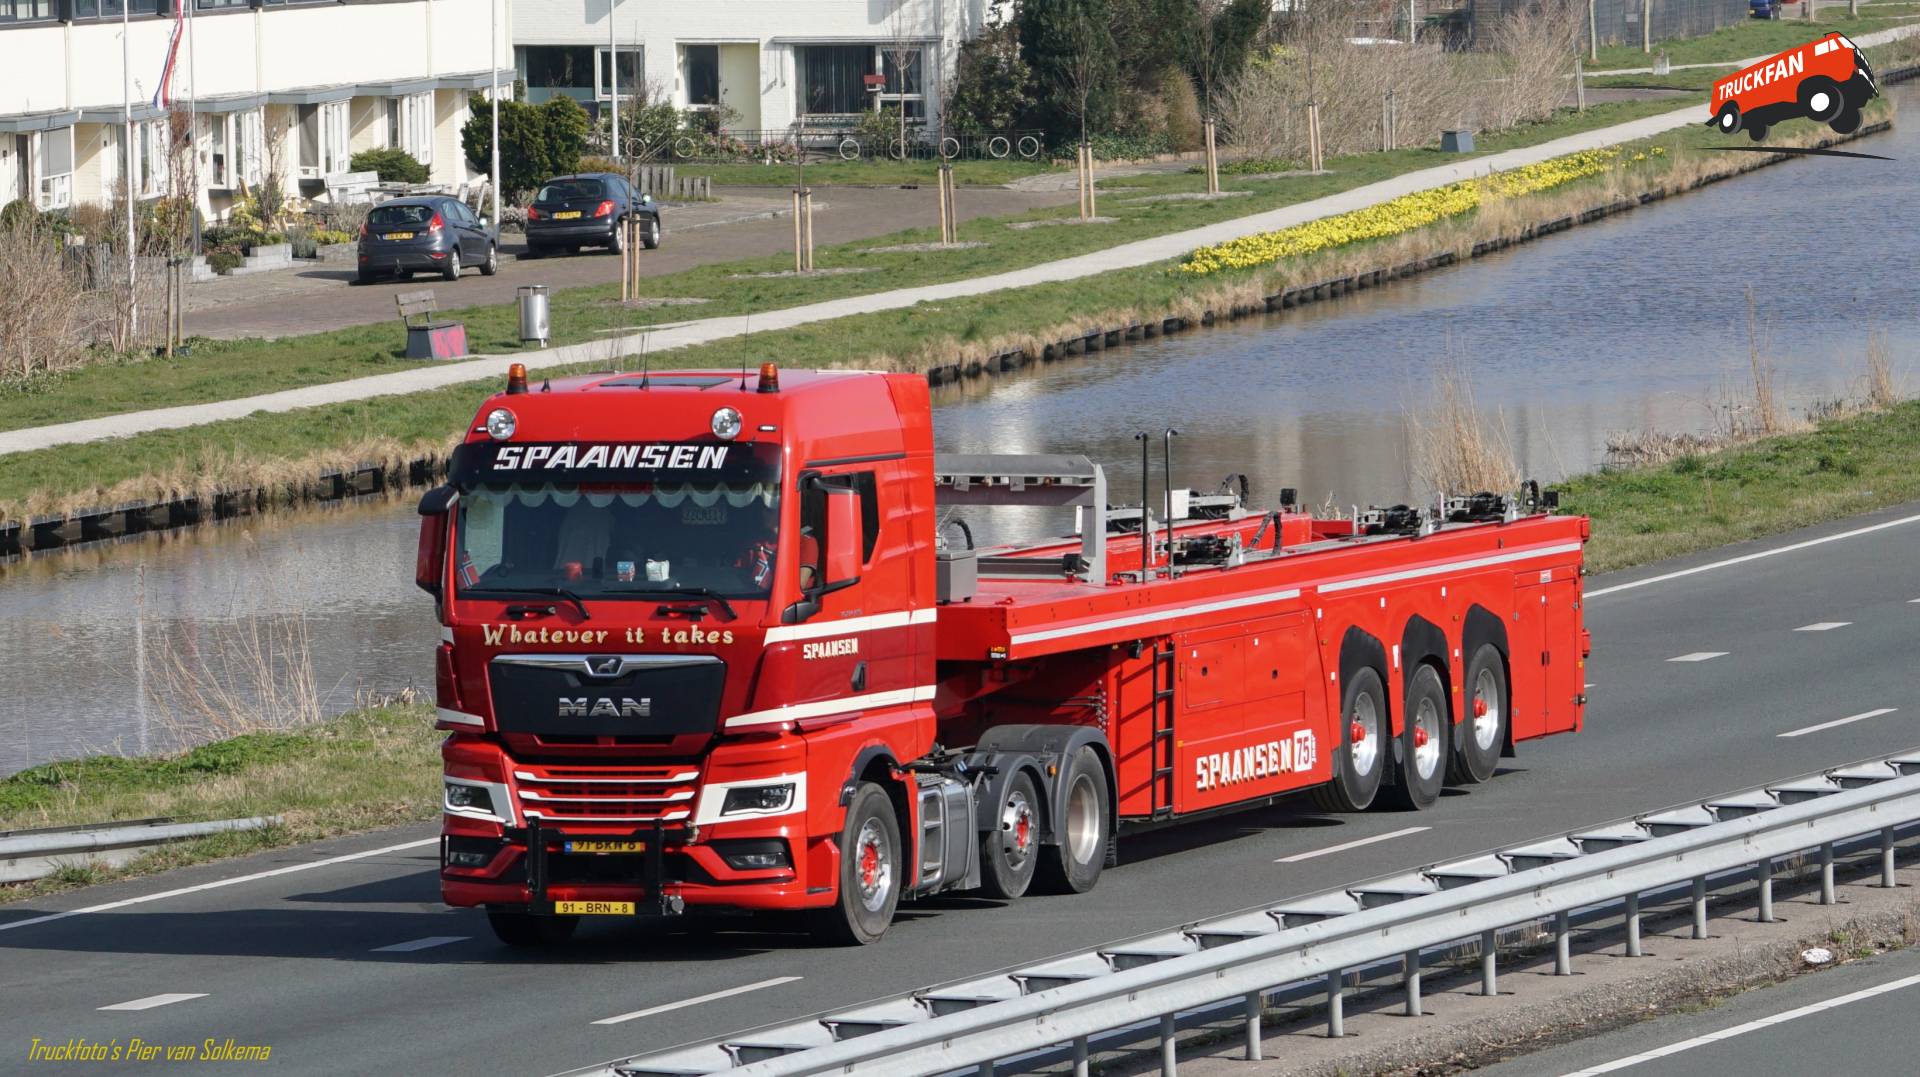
{"x":493,"y":110}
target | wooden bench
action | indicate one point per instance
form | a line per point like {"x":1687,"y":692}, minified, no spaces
{"x":428,"y":337}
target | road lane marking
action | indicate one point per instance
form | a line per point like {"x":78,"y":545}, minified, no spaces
{"x":1741,"y":1030}
{"x":1839,"y":721}
{"x":1744,"y":558}
{"x":1355,"y":844}
{"x":217,"y":884}
{"x":419,"y":944}
{"x":685,"y":1002}
{"x":152,"y":1001}
{"x":1698,"y":656}
{"x":1823,"y":626}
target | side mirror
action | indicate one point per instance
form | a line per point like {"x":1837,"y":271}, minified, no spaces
{"x":430,"y":560}
{"x":843,"y":538}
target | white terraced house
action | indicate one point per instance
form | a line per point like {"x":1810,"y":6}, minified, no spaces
{"x":284,"y":85}
{"x":771,"y":62}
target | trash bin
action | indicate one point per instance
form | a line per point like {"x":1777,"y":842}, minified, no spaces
{"x":534,"y":322}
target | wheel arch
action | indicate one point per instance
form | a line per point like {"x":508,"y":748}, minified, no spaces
{"x":1423,"y":643}
{"x":1484,"y":627}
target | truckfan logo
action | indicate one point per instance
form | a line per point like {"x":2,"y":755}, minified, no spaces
{"x":1827,"y":81}
{"x":605,"y":707}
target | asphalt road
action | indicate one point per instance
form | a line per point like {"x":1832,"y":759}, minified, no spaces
{"x":1856,"y":1018}
{"x":296,"y":960}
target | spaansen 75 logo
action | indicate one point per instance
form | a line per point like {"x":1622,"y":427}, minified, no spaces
{"x":1827,"y":81}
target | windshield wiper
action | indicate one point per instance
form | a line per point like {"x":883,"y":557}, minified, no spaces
{"x":700,"y":592}
{"x":557,"y":592}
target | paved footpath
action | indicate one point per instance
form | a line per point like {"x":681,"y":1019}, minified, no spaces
{"x":691,"y":333}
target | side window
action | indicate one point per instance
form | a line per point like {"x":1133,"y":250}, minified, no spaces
{"x":813,"y":529}
{"x":869,"y":490}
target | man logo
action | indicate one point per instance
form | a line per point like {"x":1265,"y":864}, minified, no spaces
{"x":605,"y":707}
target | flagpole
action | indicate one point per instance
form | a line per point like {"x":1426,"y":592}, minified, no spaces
{"x":126,"y":103}
{"x":193,"y":131}
{"x":493,"y":100}
{"x":613,"y":79}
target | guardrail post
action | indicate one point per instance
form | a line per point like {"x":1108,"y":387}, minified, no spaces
{"x":1700,"y":907}
{"x":986,"y":1068}
{"x":1562,"y":945}
{"x":1764,"y":872}
{"x":1886,"y":859}
{"x":1413,"y":983}
{"x":1080,"y":1056}
{"x":1255,"y":1004}
{"x":1826,"y":874}
{"x":1167,"y":1060}
{"x":1336,"y":1018}
{"x":1633,"y":925}
{"x":1489,"y":958}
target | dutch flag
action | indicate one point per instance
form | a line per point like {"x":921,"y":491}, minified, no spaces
{"x":163,"y":97}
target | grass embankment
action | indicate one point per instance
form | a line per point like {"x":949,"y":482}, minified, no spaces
{"x":869,"y":173}
{"x":265,"y":451}
{"x":1756,"y":37}
{"x":220,"y":370}
{"x":361,"y":771}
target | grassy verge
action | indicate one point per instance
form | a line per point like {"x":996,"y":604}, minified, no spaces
{"x":1755,"y":37}
{"x":361,"y":771}
{"x":226,"y":369}
{"x":883,"y":173}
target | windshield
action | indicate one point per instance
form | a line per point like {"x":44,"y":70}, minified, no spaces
{"x":561,"y":190}
{"x":608,"y":539}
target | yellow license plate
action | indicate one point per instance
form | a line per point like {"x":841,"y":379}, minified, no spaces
{"x":399,"y":235}
{"x":567,"y":215}
{"x":606,"y":846}
{"x":593,"y":908}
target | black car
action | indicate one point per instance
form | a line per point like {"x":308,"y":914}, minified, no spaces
{"x":587,"y":210}
{"x":432,"y":233}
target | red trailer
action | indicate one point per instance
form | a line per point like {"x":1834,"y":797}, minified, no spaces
{"x":718,"y":641}
{"x":1828,"y":81}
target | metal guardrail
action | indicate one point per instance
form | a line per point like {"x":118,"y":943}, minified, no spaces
{"x":1241,"y":958}
{"x":34,"y":854}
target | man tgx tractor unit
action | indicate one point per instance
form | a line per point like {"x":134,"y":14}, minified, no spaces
{"x":707,"y":644}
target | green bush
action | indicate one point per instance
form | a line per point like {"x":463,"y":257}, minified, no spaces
{"x":537,"y":142}
{"x":224,"y":260}
{"x":18,"y":212}
{"x":327,"y":237}
{"x":393,"y":165}
{"x":992,"y":89}
{"x":1126,"y":147}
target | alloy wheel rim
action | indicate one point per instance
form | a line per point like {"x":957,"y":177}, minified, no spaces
{"x":1364,"y":736}
{"x":875,"y":865}
{"x":1016,"y":824}
{"x":1083,"y":821}
{"x":1426,"y":738}
{"x":1486,"y":710}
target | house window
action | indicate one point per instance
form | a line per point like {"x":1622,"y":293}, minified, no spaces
{"x":631,"y":70}
{"x":25,"y":10}
{"x":410,"y":125}
{"x":833,"y":79}
{"x":253,"y":146}
{"x":558,"y":71}
{"x":214,"y":5}
{"x":55,"y":167}
{"x":323,"y":139}
{"x":905,"y":72}
{"x":110,"y":9}
{"x":218,"y":152}
{"x":703,"y":75}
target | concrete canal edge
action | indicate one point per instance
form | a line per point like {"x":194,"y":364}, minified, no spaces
{"x":41,"y":534}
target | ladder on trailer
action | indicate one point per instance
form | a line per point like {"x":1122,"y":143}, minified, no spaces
{"x":1162,"y":703}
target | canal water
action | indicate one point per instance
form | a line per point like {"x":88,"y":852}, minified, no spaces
{"x":1638,"y":322}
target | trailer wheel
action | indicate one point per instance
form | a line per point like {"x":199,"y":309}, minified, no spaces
{"x":526,"y":929}
{"x":870,"y":872}
{"x":1847,"y":122}
{"x":1482,"y":730}
{"x":1073,"y":866}
{"x":1009,"y":851}
{"x":1820,"y":96}
{"x":1424,"y":741}
{"x":1360,"y":759}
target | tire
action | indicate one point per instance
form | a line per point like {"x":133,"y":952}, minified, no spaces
{"x":534,"y":250}
{"x":492,"y":265}
{"x":1821,"y":98}
{"x":526,"y":929}
{"x":872,"y":870}
{"x":1010,"y":847}
{"x":452,"y":272}
{"x":998,"y":146}
{"x":1847,"y":122}
{"x":617,"y":239}
{"x":1424,"y":742}
{"x":1074,"y":865}
{"x":651,"y":235}
{"x":1360,"y":759}
{"x":1481,"y":733}
{"x":1757,"y":131}
{"x":1729,"y":119}
{"x":849,"y":149}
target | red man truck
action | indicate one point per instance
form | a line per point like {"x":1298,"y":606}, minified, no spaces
{"x":1828,"y":81}
{"x":707,"y":644}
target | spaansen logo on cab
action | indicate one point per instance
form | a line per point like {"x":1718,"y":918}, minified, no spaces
{"x":1828,"y":81}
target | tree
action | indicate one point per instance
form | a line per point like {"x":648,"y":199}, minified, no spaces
{"x":1218,"y":36}
{"x":393,"y":165}
{"x":992,"y":86}
{"x":537,"y":142}
{"x":1069,"y":47}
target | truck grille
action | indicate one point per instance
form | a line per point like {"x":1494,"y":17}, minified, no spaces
{"x":606,"y":794}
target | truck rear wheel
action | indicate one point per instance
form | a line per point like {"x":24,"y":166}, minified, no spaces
{"x":526,"y":929}
{"x":1821,"y":98}
{"x":1847,"y":122}
{"x":870,"y":872}
{"x":1424,"y":749}
{"x":1482,"y":731}
{"x":1009,"y":848}
{"x":1361,"y":757}
{"x":1073,"y":866}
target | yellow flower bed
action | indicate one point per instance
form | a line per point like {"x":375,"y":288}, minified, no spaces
{"x":1401,"y":214}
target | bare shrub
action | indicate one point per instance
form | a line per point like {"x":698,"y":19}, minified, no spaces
{"x":1881,"y":391}
{"x":1533,"y":49}
{"x":250,"y":675}
{"x":1764,"y":413}
{"x":40,"y":302}
{"x":1455,"y":450}
{"x":1263,"y":109}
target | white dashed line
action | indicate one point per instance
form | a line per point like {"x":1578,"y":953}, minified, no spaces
{"x":1839,"y":722}
{"x":1823,"y":626}
{"x":1744,"y":558}
{"x":152,"y":1001}
{"x":427,"y":943}
{"x":1344,"y":846}
{"x":1698,"y":656}
{"x":685,"y":1002}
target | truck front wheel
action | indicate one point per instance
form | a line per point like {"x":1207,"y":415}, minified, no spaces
{"x":1073,"y":866}
{"x":870,"y":871}
{"x":1008,"y":847}
{"x":526,"y":929}
{"x":1361,"y":757}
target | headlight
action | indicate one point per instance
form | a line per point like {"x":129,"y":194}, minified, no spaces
{"x":469,"y":798}
{"x":500,"y":424}
{"x":758,"y":798}
{"x":726,"y":424}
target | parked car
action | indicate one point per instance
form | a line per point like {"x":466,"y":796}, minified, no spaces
{"x":1764,"y":9}
{"x":587,"y":210}
{"x":433,"y":233}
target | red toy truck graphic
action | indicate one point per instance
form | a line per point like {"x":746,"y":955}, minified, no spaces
{"x":1826,"y":80}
